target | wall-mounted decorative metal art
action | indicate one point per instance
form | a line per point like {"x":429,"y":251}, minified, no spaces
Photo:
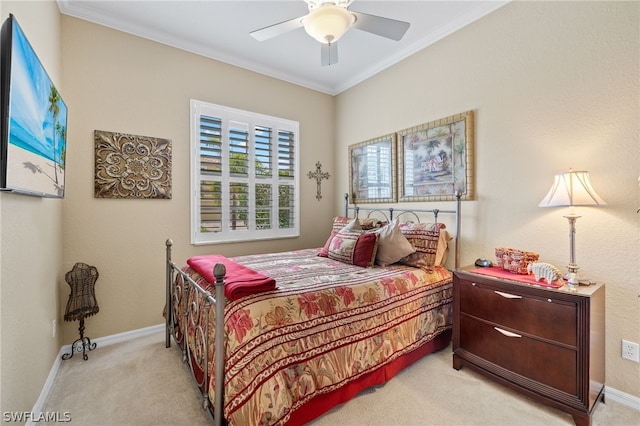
{"x":130,"y":166}
{"x":318,"y":175}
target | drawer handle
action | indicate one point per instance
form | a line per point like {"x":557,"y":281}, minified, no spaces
{"x":507,"y":333}
{"x":507,"y":295}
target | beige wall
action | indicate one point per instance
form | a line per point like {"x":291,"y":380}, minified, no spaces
{"x":554,"y":85}
{"x":117,"y":82}
{"x":30,"y":249}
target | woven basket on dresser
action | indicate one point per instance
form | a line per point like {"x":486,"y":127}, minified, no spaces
{"x":513,"y":260}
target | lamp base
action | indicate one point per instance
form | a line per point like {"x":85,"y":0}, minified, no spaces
{"x":572,"y":276}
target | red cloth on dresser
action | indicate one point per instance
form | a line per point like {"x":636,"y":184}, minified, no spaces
{"x":239,"y":280}
{"x":494,"y":271}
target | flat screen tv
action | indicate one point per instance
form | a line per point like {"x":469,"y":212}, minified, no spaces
{"x":33,"y":122}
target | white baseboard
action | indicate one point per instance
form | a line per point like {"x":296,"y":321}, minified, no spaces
{"x":609,"y":392}
{"x":100,"y":341}
{"x":48,"y":386}
{"x":127,"y":335}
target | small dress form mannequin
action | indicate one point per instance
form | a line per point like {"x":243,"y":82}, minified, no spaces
{"x":82,"y":303}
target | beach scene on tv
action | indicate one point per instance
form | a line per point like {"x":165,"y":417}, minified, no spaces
{"x":37,"y":125}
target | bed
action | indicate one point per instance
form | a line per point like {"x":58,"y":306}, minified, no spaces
{"x":321,"y":324}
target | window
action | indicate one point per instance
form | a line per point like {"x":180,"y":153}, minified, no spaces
{"x":244,"y":174}
{"x":378,"y":171}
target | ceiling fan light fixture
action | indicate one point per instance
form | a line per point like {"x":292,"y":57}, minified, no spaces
{"x":328,"y":23}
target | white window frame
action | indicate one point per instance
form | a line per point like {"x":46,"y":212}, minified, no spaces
{"x":226,"y":235}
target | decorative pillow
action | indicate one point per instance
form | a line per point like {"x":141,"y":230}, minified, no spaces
{"x":352,"y":226}
{"x":424,"y":237}
{"x":324,"y":251}
{"x":340,"y":222}
{"x":443,"y":247}
{"x":392,"y":245}
{"x":355,"y":248}
{"x":371,"y":223}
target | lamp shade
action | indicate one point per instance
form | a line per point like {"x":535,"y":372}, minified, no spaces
{"x":328,"y":23}
{"x":571,"y":189}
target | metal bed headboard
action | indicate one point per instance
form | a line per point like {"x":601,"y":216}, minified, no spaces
{"x":392,"y":210}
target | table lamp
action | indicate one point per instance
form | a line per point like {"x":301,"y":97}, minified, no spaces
{"x":569,"y":190}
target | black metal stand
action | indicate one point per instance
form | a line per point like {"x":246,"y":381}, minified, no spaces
{"x":85,"y":341}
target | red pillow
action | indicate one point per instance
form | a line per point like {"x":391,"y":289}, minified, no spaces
{"x":354,"y":248}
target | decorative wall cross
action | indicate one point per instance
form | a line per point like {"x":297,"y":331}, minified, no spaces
{"x":318,"y":175}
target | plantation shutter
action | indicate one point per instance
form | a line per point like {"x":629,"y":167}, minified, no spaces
{"x":246,"y":181}
{"x":210,"y":170}
{"x":263,"y":174}
{"x":287,"y":173}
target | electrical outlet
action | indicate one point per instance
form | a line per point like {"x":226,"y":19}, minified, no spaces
{"x":630,"y":351}
{"x":53,"y":326}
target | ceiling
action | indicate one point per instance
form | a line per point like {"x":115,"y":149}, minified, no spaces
{"x":220,"y":30}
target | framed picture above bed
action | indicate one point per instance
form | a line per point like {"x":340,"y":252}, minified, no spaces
{"x":372,"y":170}
{"x":435,"y":160}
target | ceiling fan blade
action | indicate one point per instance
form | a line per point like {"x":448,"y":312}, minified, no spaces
{"x":385,"y":27}
{"x":277,"y":29}
{"x":328,"y":54}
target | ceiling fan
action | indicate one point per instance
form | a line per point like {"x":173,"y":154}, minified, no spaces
{"x":328,"y":20}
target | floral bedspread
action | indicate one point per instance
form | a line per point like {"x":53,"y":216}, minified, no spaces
{"x":326,"y":325}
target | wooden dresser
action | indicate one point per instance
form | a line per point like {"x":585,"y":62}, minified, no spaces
{"x":545,"y":343}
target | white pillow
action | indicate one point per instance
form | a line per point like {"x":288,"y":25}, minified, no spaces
{"x":392,"y":245}
{"x":353,"y":226}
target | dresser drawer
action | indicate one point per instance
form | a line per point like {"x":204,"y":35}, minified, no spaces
{"x":549,"y":364}
{"x":543,"y":317}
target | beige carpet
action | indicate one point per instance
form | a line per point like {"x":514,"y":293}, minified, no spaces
{"x":142,"y":383}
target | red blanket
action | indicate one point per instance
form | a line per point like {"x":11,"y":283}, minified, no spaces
{"x":238,"y":280}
